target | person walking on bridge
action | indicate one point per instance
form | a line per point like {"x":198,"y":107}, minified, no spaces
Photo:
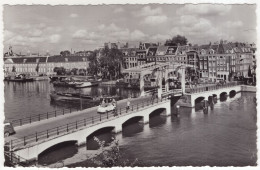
{"x":128,"y":104}
{"x":153,"y":96}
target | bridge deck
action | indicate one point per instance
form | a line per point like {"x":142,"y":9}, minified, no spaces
{"x":39,"y":126}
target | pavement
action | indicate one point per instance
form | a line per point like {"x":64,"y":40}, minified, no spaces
{"x":43,"y":125}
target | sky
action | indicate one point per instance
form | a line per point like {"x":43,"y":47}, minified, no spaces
{"x":45,"y":28}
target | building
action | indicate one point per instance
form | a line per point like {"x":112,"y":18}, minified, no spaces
{"x":45,"y":64}
{"x":129,"y":57}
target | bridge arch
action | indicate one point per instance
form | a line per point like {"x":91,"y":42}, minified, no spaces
{"x":223,"y":96}
{"x":232,"y":93}
{"x":199,"y":99}
{"x":158,"y":111}
{"x":50,"y":145}
{"x":134,"y":118}
{"x":103,"y":134}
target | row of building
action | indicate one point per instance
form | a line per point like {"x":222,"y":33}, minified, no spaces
{"x":45,"y":64}
{"x":211,"y":61}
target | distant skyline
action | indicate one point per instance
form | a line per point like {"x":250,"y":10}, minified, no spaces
{"x":42,"y":28}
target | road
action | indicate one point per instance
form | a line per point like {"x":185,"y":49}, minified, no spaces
{"x":43,"y":125}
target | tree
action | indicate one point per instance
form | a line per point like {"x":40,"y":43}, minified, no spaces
{"x":65,"y":53}
{"x":182,"y":40}
{"x":59,"y":70}
{"x":74,"y":71}
{"x":111,"y":157}
{"x":110,"y":63}
{"x":14,"y":69}
{"x":94,"y":66}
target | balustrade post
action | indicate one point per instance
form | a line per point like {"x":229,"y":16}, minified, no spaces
{"x":39,"y":117}
{"x":137,"y":107}
{"x":76,"y":124}
{"x":85,"y":122}
{"x":57,"y":130}
{"x":30,"y":119}
{"x":107,"y":114}
{"x":36,"y":137}
{"x":143,"y":103}
{"x":21,"y":122}
{"x":70,"y":110}
{"x":55,"y":113}
{"x":132,"y":107}
{"x":67,"y":127}
{"x":47,"y":115}
{"x":24,"y":143}
{"x":47,"y":133}
{"x":63,"y":111}
{"x":92,"y":120}
{"x":100,"y":117}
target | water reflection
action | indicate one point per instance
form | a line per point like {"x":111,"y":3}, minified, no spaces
{"x":131,"y":128}
{"x":58,"y":152}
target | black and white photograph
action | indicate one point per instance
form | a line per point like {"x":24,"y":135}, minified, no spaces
{"x":129,"y":84}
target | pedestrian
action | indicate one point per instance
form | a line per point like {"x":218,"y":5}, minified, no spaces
{"x":114,"y":102}
{"x":128,"y":104}
{"x":153,"y":96}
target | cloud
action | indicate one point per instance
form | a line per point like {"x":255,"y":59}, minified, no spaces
{"x":188,"y":20}
{"x":119,"y":10}
{"x":160,"y":37}
{"x":148,"y":11}
{"x":8,"y":34}
{"x":80,"y":34}
{"x":233,"y":24}
{"x":35,"y":32}
{"x":137,"y":35}
{"x":55,"y":38}
{"x":204,"y":9}
{"x":112,"y":27}
{"x":86,"y":35}
{"x":73,"y":15}
{"x":155,"y":20}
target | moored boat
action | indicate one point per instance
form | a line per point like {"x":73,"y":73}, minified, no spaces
{"x":86,"y":84}
{"x":58,"y":96}
{"x":20,"y":78}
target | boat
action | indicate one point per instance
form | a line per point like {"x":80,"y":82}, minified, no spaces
{"x":107,"y":104}
{"x":66,"y":83}
{"x":86,"y":84}
{"x":121,"y":83}
{"x":60,"y":96}
{"x":20,"y":78}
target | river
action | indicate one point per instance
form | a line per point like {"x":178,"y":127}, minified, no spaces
{"x":226,"y":136}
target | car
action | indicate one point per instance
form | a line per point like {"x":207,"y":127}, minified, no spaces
{"x":8,"y":129}
{"x":107,"y":104}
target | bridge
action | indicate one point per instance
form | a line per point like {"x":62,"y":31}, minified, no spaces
{"x":161,"y":71}
{"x":28,"y":145}
{"x":34,"y":138}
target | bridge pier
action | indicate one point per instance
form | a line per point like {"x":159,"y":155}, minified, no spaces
{"x":118,"y":128}
{"x":146,"y":119}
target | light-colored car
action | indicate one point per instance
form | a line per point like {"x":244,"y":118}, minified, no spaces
{"x":107,"y":104}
